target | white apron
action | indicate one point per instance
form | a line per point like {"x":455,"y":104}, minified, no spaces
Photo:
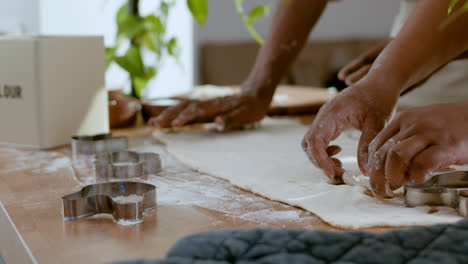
{"x":448,"y":84}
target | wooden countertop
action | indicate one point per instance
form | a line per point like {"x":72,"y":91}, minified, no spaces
{"x":33,"y":182}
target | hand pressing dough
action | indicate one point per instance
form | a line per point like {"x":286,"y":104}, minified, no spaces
{"x":269,"y":161}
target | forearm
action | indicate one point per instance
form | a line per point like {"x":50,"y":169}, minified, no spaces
{"x":420,"y":48}
{"x":289,"y":30}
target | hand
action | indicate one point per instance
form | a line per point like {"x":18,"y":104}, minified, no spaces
{"x":352,"y":72}
{"x":416,"y":143}
{"x":358,"y":107}
{"x":227,"y":112}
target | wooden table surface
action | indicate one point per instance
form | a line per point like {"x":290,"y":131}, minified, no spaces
{"x":33,"y":182}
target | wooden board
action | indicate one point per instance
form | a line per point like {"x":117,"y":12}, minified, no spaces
{"x":301,"y":100}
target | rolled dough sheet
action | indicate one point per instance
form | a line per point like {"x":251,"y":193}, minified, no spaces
{"x":269,"y":161}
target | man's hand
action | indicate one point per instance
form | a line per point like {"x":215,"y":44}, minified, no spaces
{"x":228,"y":112}
{"x":357,"y":107}
{"x":417,"y":143}
{"x":352,"y":72}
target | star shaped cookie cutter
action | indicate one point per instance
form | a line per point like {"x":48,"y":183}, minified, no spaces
{"x":125,"y":201}
{"x":90,"y":145}
{"x":443,"y":189}
{"x":126,"y":164}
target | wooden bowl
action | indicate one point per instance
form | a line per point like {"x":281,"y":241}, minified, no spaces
{"x":123,"y":110}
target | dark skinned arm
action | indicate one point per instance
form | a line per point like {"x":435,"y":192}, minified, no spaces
{"x":422,"y":46}
{"x":416,"y":52}
{"x":431,"y":49}
{"x":291,"y":26}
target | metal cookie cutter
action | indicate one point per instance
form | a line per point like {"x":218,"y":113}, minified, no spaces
{"x":126,"y":201}
{"x":126,"y":164}
{"x":89,"y":145}
{"x":444,"y":189}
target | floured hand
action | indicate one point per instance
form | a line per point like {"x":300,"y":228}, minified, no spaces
{"x":227,"y":112}
{"x":357,"y":107}
{"x":417,"y":143}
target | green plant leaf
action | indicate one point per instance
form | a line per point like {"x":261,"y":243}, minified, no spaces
{"x":173,"y":47}
{"x":150,"y":72}
{"x":128,"y":26}
{"x":132,"y":62}
{"x":164,"y":8}
{"x":250,"y":20}
{"x":139,"y":83}
{"x":452,"y":5}
{"x":131,"y":27}
{"x":152,"y":42}
{"x":110,"y":55}
{"x":454,"y":16}
{"x":199,"y":10}
{"x":259,"y":12}
{"x":253,"y":32}
{"x":239,"y":8}
{"x":122,"y":14}
{"x":154,"y":24}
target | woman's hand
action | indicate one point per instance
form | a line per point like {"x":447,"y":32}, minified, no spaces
{"x":417,"y":143}
{"x":227,"y":112}
{"x":360,"y":106}
{"x":352,"y":72}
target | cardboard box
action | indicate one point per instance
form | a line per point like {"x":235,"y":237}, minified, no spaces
{"x":50,"y":89}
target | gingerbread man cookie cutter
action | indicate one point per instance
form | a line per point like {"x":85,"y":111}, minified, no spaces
{"x":91,"y":145}
{"x":126,"y":164}
{"x":125,"y":201}
{"x":443,"y":189}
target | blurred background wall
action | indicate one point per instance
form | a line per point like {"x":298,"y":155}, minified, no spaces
{"x":343,"y":19}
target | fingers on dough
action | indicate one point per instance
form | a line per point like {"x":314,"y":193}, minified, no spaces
{"x":165,"y":119}
{"x":427,"y":162}
{"x":188,"y":115}
{"x":400,"y":157}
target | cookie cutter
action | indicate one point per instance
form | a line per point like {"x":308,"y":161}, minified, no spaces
{"x":126,"y":164}
{"x":90,"y":145}
{"x":443,"y":189}
{"x":126,"y":201}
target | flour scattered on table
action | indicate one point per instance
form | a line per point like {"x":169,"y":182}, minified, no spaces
{"x":128,"y":222}
{"x":57,"y":164}
{"x":38,"y":161}
{"x":273,"y":216}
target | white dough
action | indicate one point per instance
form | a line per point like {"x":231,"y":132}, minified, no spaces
{"x":269,"y":161}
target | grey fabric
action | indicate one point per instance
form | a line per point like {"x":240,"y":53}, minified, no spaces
{"x":424,"y":245}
